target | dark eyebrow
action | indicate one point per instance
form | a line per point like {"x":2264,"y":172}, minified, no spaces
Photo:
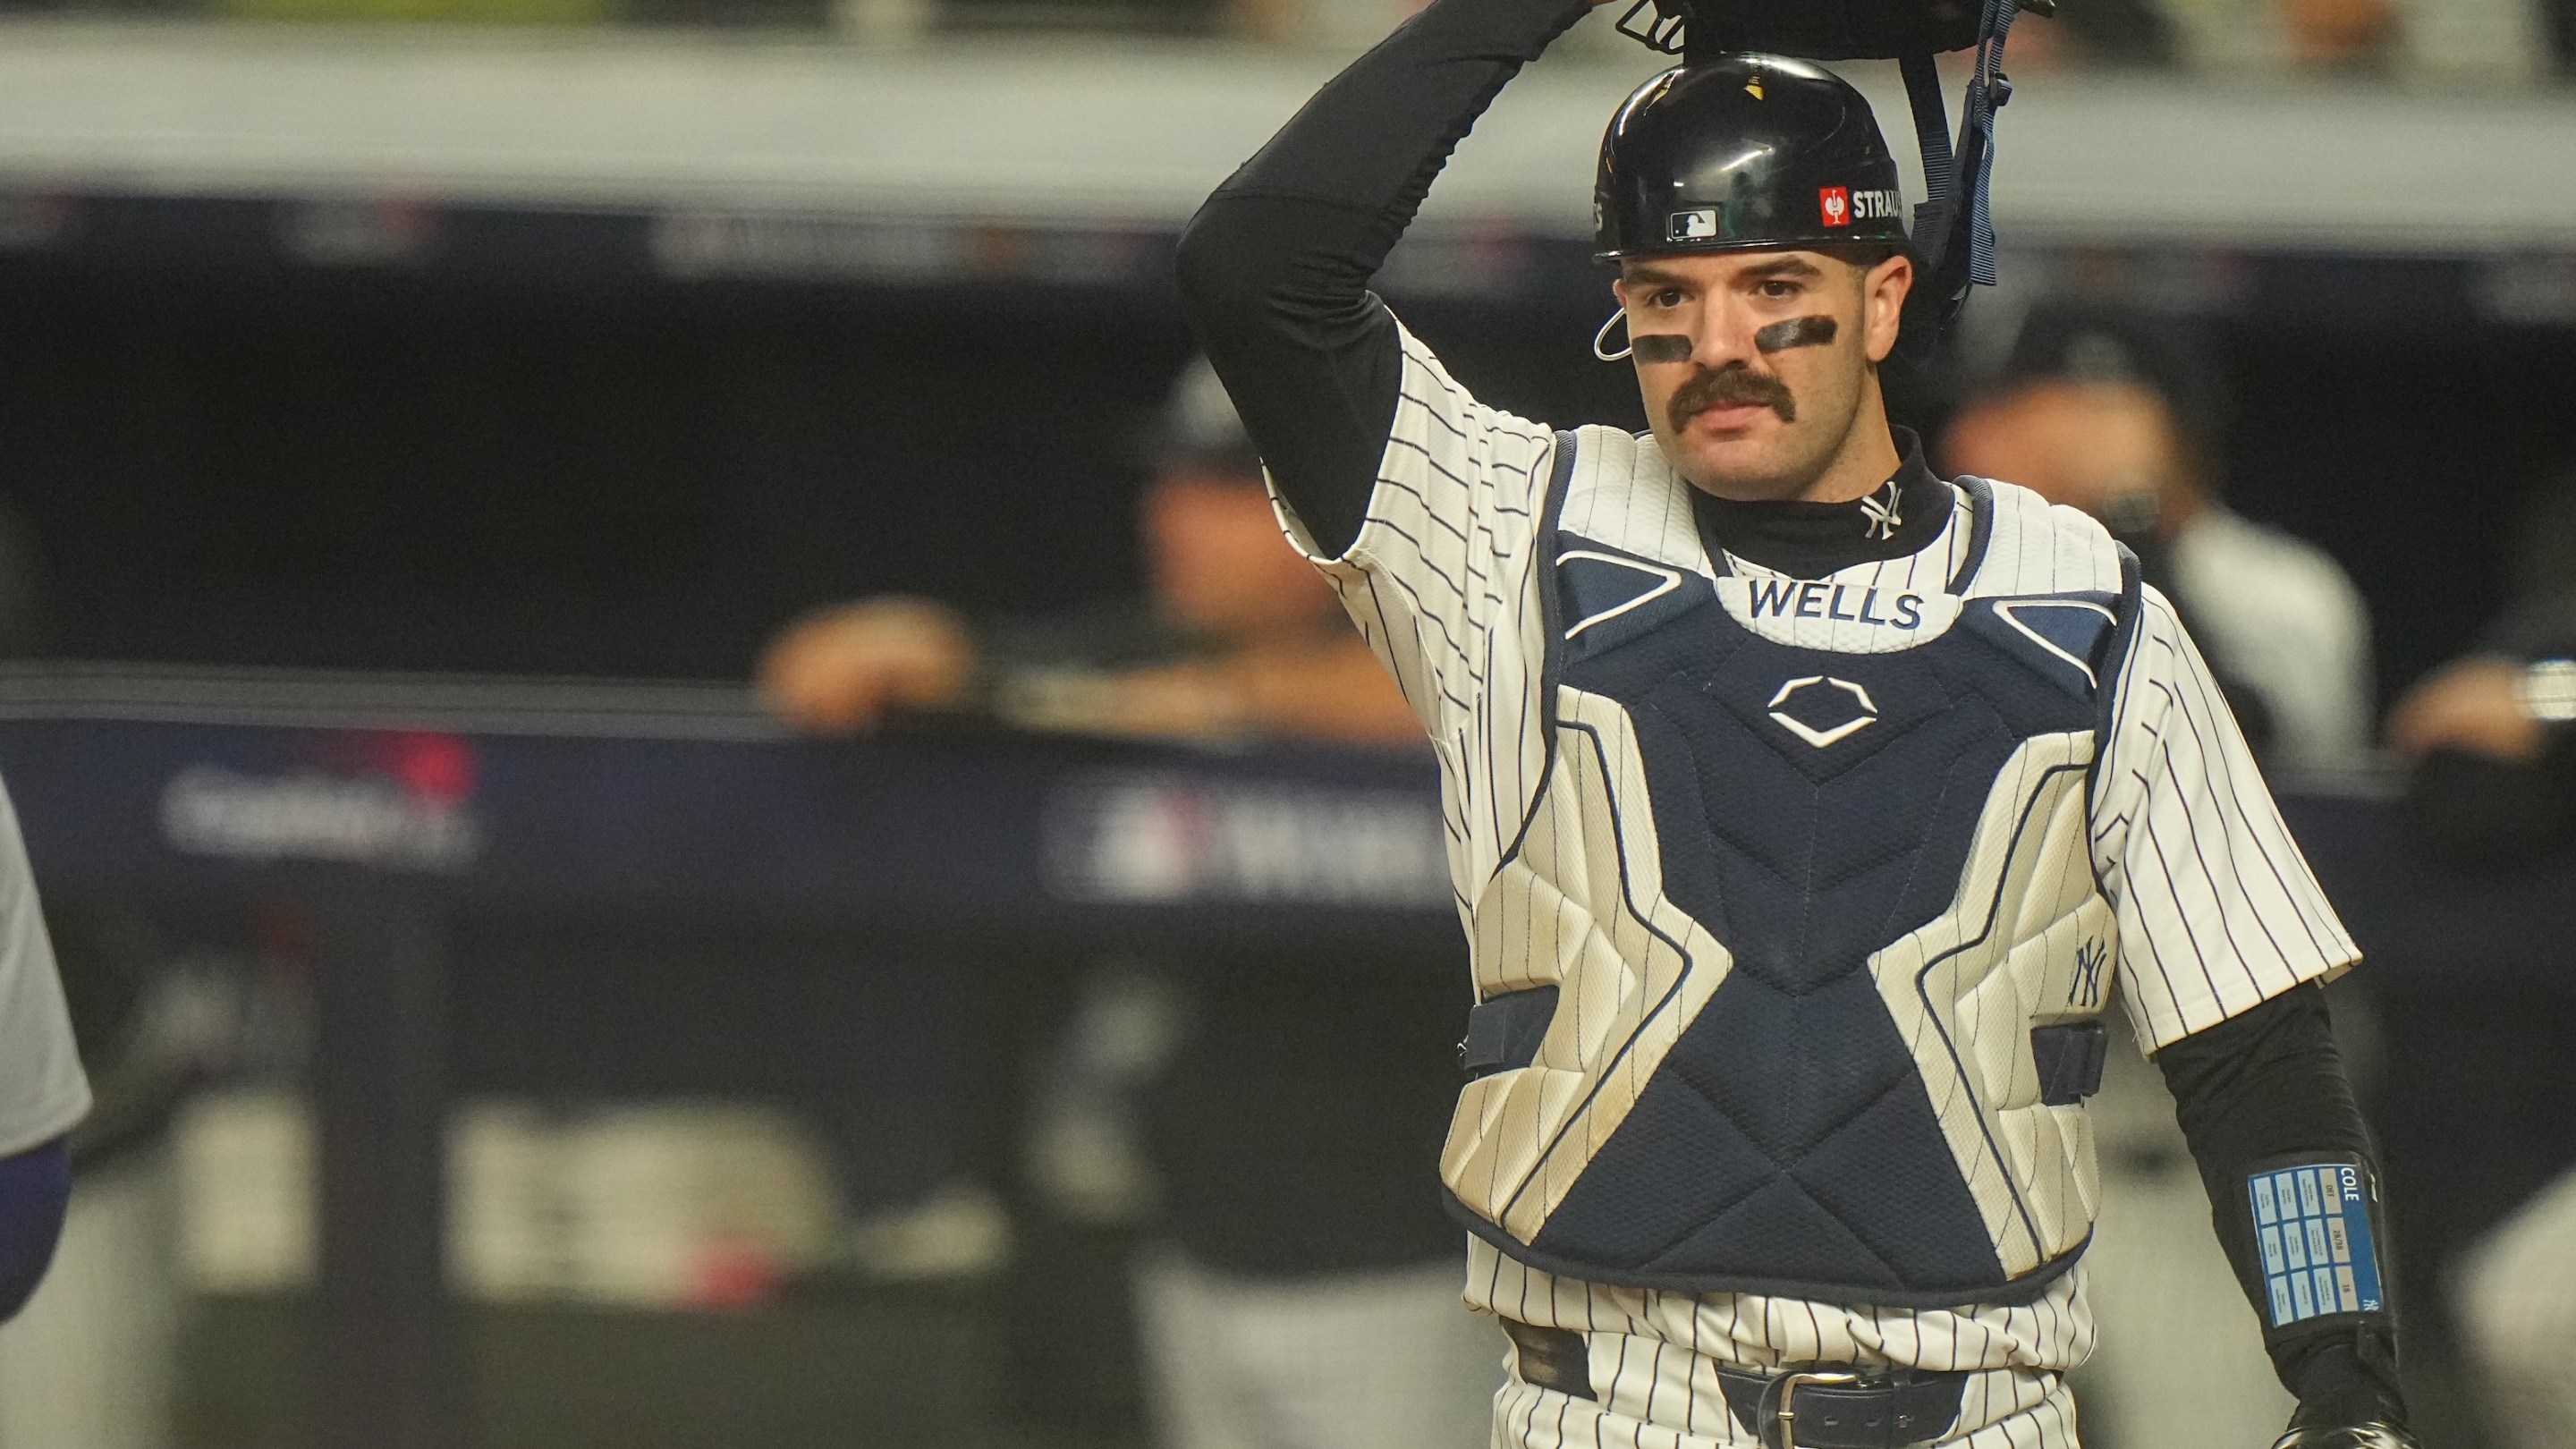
{"x":1783,"y":267}
{"x":1647,"y":274}
{"x":1641,"y":274}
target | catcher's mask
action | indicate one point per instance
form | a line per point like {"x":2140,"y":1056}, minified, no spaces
{"x":1744,"y":151}
{"x":1952,"y":235}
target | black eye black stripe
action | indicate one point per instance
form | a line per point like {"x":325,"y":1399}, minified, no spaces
{"x":1796,"y":332}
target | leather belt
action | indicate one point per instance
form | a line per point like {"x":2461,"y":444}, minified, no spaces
{"x":1844,"y":1406}
{"x":1552,"y":1358}
{"x":1802,"y":1406}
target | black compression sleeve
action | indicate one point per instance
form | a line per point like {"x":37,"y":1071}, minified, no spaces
{"x":1275,"y":267}
{"x":2264,"y":1086}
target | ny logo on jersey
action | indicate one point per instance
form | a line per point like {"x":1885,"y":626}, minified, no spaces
{"x":2090,"y":958}
{"x":1834,"y":717}
{"x":1883,"y":518}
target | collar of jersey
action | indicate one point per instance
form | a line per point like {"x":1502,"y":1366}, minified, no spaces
{"x":1812,"y":540}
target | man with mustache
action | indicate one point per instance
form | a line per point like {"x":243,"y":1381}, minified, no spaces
{"x":1805,"y":809}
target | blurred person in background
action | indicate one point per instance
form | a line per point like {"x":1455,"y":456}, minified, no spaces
{"x":2112,"y":415}
{"x":2339,"y":34}
{"x":1237,"y":638}
{"x":1300,"y":1286}
{"x":2475,"y":1108}
{"x":2116,"y":34}
{"x":43,"y":1091}
{"x":44,"y":1094}
{"x":2493,"y":783}
{"x":2109,"y":414}
{"x":87,"y":1087}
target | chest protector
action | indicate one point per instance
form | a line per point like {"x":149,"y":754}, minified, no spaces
{"x":1791,"y":979}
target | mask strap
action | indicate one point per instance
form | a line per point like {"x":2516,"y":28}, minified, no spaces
{"x":1601,"y":340}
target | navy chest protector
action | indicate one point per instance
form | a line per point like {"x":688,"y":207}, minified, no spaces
{"x":1831,"y":1121}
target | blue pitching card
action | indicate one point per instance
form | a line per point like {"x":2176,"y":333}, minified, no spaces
{"x":2319,"y":1257}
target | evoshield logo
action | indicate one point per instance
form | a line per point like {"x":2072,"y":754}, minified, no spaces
{"x":1820,"y":701}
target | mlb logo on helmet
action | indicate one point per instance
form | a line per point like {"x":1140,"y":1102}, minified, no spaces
{"x":1692,"y":225}
{"x":1835,"y":201}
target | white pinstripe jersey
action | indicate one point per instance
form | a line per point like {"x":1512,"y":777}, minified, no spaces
{"x":2215,"y":910}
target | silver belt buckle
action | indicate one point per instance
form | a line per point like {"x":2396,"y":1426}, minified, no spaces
{"x":1780,"y":1428}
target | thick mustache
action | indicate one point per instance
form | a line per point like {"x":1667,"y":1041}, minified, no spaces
{"x":1734,"y":385}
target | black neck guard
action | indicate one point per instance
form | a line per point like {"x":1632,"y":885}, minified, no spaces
{"x":1810,"y":540}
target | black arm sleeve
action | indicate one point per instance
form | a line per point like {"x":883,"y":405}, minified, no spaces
{"x":1274,"y":269}
{"x":2264,"y":1086}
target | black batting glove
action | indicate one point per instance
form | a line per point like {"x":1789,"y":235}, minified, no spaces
{"x":2347,"y":1436}
{"x":2345,"y":1380}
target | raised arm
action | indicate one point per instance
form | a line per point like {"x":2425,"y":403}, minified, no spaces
{"x":1275,"y":267}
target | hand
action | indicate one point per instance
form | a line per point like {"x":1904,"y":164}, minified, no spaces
{"x":840,"y":670}
{"x":2348,"y":1436}
{"x":2474,"y":704}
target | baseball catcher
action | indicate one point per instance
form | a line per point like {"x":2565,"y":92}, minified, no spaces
{"x":1806,"y":810}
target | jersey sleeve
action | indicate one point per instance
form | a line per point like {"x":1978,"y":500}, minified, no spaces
{"x":43,"y":1092}
{"x":2217,"y":908}
{"x":1441,"y":553}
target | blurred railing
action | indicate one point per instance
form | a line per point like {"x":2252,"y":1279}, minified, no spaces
{"x":1076,"y":159}
{"x":2396,"y":40}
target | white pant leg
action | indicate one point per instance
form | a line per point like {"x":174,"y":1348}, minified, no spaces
{"x":1378,"y":1360}
{"x":2517,"y":1319}
{"x":2181,"y":1358}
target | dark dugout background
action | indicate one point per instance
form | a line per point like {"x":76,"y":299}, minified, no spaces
{"x":282,"y":466}
{"x":534,"y":470}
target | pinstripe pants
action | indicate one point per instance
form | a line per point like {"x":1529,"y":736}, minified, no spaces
{"x":1671,"y":1401}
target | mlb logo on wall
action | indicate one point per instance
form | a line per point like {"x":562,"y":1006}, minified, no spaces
{"x":1692,"y":225}
{"x":1835,"y":201}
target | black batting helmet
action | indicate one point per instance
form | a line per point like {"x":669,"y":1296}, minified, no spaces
{"x":1742,"y":151}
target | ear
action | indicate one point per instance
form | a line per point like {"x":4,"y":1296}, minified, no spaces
{"x":1883,"y":290}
